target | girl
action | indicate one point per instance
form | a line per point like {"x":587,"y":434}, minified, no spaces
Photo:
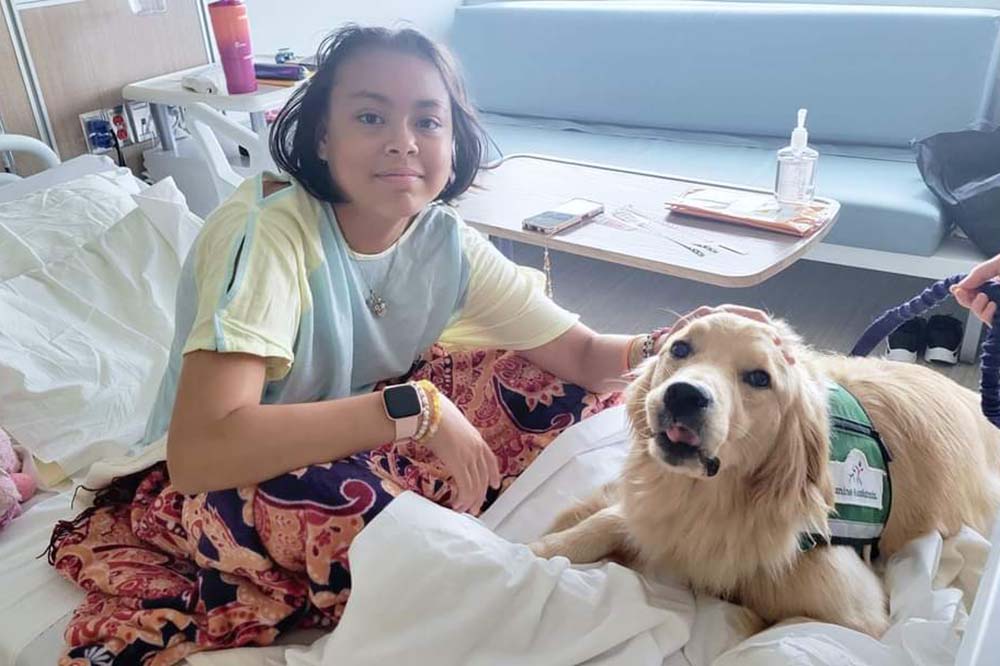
{"x":321,"y":286}
{"x":301,"y":299}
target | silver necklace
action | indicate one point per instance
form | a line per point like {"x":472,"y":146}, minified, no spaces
{"x":376,"y":304}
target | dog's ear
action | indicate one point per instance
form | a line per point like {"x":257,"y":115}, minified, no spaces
{"x":795,"y":469}
{"x":635,"y":396}
{"x":807,"y":422}
{"x":814,"y":427}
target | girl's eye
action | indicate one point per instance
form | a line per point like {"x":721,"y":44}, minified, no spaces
{"x":370,"y":118}
{"x":757,"y":379}
{"x":429,"y":124}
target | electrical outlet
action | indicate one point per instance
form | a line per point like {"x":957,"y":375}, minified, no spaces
{"x":142,"y":122}
{"x":120,"y":125}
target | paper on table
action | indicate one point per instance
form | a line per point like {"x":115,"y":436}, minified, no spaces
{"x":701,"y":244}
{"x":754,"y":209}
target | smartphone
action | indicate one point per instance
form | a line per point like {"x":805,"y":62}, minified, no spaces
{"x":563,"y":217}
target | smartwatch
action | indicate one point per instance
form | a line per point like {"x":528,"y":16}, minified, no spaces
{"x":402,"y":406}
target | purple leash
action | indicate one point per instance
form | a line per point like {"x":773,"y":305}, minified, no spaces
{"x":989,"y":382}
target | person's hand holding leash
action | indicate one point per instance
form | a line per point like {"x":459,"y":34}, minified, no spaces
{"x":965,"y":291}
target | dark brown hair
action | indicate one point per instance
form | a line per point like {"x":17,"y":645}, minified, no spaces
{"x":302,"y":122}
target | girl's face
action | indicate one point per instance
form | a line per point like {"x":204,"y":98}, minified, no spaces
{"x":388,"y":140}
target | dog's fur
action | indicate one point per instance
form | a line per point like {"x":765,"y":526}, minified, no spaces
{"x":736,"y":534}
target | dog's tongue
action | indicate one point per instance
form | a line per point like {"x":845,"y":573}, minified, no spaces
{"x":680,"y":433}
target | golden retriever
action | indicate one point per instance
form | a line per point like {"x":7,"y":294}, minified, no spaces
{"x":728,"y":467}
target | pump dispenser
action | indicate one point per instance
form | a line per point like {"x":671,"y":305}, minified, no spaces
{"x":795,"y":180}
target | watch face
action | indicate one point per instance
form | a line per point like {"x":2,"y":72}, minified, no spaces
{"x":401,"y":401}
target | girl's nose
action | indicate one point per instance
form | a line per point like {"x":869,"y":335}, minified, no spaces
{"x":402,"y":141}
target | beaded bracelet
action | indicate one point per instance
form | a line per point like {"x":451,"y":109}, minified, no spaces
{"x":435,"y":415}
{"x":431,"y":418}
{"x":642,"y":347}
{"x":648,"y":344}
{"x":425,"y":412}
{"x":632,"y":357}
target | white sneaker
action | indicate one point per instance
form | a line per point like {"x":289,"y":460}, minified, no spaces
{"x":944,"y":339}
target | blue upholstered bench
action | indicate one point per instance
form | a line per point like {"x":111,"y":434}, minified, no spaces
{"x":710,"y":90}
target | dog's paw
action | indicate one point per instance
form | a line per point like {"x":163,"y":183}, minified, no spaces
{"x":564,"y":521}
{"x":543,"y":548}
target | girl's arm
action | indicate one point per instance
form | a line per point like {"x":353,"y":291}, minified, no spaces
{"x":591,"y":360}
{"x":222,"y":437}
{"x":599,"y":362}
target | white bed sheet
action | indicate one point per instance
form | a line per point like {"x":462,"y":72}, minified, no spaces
{"x":34,"y":600}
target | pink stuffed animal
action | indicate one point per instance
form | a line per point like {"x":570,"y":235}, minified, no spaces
{"x":15,"y":487}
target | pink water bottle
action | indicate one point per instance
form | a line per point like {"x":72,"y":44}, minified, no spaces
{"x":232,"y":33}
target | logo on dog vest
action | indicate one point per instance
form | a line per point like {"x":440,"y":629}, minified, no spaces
{"x":857,"y":483}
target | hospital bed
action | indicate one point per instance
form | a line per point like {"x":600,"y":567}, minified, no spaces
{"x":616,"y":618}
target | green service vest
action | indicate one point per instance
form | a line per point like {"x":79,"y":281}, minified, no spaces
{"x":859,"y":468}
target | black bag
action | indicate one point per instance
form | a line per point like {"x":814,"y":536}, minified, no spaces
{"x":963,"y":170}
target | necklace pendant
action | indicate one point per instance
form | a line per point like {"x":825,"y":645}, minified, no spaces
{"x":376,"y":304}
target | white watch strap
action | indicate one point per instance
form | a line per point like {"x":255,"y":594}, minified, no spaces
{"x":407,"y":427}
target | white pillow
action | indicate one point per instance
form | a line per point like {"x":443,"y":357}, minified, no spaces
{"x":70,"y":170}
{"x":84,"y":336}
{"x":50,"y":224}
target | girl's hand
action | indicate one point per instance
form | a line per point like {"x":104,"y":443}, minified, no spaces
{"x":466,"y":456}
{"x":965,"y":291}
{"x":749,"y":313}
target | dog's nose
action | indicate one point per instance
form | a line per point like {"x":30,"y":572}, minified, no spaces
{"x":684,"y":400}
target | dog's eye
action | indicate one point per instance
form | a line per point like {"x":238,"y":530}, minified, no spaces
{"x":757,"y":379}
{"x":680,"y":349}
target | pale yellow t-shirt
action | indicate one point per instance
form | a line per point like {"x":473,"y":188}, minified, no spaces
{"x":273,"y":276}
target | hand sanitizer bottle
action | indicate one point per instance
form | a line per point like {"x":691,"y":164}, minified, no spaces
{"x":795,"y":181}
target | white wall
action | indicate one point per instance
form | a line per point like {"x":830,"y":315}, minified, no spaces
{"x":302,"y":24}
